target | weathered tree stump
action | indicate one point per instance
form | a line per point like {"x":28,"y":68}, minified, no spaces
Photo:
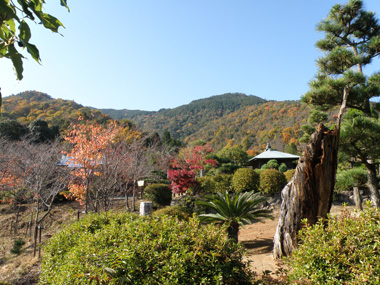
{"x":309,"y":194}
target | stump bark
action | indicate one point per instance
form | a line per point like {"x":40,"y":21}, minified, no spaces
{"x":309,"y":194}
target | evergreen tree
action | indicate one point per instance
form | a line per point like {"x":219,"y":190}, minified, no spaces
{"x":360,"y":137}
{"x":40,"y":132}
{"x":12,"y":130}
{"x":352,"y":40}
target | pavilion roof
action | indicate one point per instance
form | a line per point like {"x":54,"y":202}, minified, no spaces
{"x":274,"y":154}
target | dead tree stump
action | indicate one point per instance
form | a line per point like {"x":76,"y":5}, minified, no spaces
{"x":309,"y":194}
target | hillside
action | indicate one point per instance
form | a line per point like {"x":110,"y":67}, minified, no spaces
{"x":219,"y":105}
{"x":232,"y":118}
{"x":28,"y":106}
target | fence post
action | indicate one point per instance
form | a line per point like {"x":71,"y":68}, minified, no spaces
{"x":357,"y":199}
{"x":146,"y":208}
{"x":40,"y":227}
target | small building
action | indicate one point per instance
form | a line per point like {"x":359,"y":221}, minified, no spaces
{"x":259,"y":160}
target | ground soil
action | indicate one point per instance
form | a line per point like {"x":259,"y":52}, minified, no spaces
{"x":258,"y":239}
{"x":24,"y":268}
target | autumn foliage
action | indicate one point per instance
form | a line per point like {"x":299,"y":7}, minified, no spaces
{"x":187,"y":165}
{"x":89,"y":142}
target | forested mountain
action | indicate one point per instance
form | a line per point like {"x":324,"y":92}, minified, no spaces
{"x":228,"y":119}
{"x":28,"y":106}
{"x":232,"y":118}
{"x":215,"y":105}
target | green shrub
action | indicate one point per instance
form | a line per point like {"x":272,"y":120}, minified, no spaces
{"x":272,"y":181}
{"x":264,"y":166}
{"x":227,"y":169}
{"x":245,"y":179}
{"x":282,"y":168}
{"x":347,"y":179}
{"x":17,"y":244}
{"x":289,"y":174}
{"x":190,"y":205}
{"x":123,"y":248}
{"x":159,"y":194}
{"x":235,"y":154}
{"x":17,"y":196}
{"x":173,"y":211}
{"x":215,"y":183}
{"x":344,"y":250}
{"x":272,"y":164}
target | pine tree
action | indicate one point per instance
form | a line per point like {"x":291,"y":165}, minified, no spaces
{"x":352,"y":40}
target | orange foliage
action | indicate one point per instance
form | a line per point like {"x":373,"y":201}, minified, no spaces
{"x":252,"y":152}
{"x":89,"y":141}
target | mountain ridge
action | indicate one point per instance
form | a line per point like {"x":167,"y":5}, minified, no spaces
{"x":239,"y":99}
{"x":226,"y":119}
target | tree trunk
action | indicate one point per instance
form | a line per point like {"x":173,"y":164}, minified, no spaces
{"x":134,"y":196}
{"x":16,"y":219}
{"x":233,"y":231}
{"x":87,"y":196}
{"x":309,"y":194}
{"x":126,"y":196}
{"x":36,"y":228}
{"x":372,"y":185}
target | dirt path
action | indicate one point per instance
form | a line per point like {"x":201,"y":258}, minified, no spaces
{"x":258,"y":239}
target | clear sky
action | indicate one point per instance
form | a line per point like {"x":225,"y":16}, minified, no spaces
{"x":153,"y":54}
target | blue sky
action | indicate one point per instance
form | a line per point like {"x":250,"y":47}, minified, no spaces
{"x":149,"y":54}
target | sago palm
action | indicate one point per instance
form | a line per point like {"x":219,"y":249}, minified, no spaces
{"x":235,"y":210}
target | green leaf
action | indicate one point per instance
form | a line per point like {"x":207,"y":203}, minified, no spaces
{"x":3,"y":50}
{"x":11,"y":24}
{"x":36,"y":6}
{"x":25,"y":9}
{"x":16,"y":59}
{"x":64,"y":3}
{"x":7,"y":12}
{"x":2,"y":35}
{"x":33,"y":51}
{"x":50,"y":22}
{"x":25,"y":33}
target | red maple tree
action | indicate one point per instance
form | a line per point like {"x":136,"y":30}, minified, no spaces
{"x":185,"y":167}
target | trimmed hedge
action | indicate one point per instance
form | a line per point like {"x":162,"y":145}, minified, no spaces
{"x":272,"y":181}
{"x":159,"y":194}
{"x":112,"y":248}
{"x":289,"y":174}
{"x":173,"y":211}
{"x":215,"y":183}
{"x":282,"y":168}
{"x":245,"y":179}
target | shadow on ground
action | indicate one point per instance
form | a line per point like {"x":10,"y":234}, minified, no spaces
{"x":259,"y":246}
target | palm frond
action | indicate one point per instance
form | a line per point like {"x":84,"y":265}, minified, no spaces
{"x":241,"y":208}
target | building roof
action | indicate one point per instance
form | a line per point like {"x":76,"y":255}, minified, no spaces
{"x":269,"y":153}
{"x":68,"y":161}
